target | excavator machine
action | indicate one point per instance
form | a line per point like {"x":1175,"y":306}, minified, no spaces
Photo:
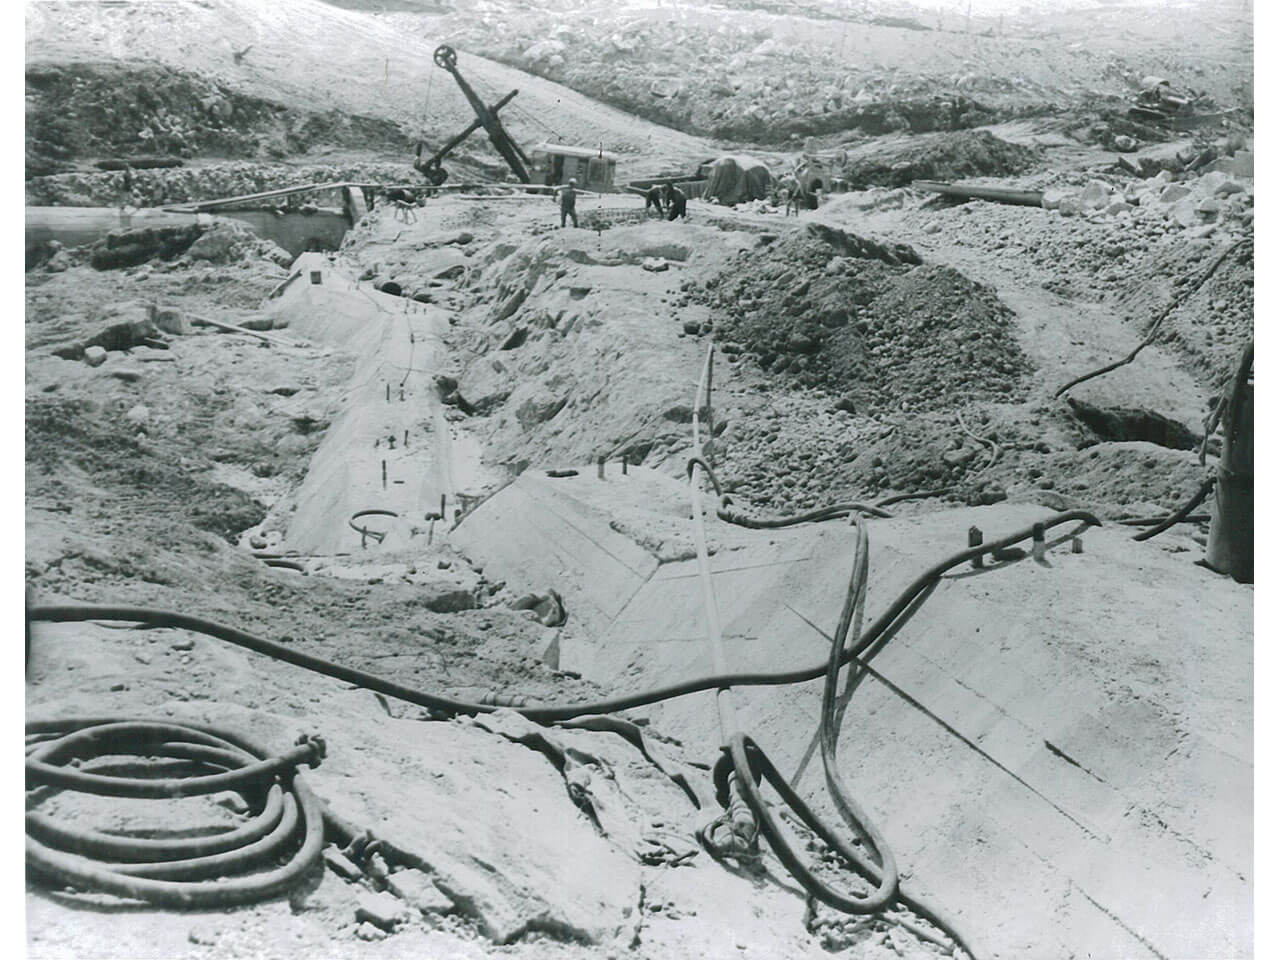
{"x":446,"y":58}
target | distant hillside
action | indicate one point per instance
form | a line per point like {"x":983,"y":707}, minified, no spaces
{"x":314,"y":57}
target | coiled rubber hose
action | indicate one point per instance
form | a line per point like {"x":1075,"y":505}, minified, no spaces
{"x":174,"y":872}
{"x":72,"y":613}
{"x":378,"y":535}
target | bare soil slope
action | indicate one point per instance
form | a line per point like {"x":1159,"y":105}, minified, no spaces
{"x":315,"y":57}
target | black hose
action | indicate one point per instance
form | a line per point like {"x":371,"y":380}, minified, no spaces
{"x":282,"y":564}
{"x":914,"y":495}
{"x":751,"y":764}
{"x":365,"y":531}
{"x":174,"y":872}
{"x":1156,"y":324}
{"x":1181,"y":514}
{"x":832,"y":512}
{"x":71,"y":613}
{"x":881,"y":871}
{"x":1152,"y":521}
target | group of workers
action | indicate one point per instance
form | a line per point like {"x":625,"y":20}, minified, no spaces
{"x":669,"y":201}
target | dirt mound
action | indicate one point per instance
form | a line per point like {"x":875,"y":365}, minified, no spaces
{"x":64,"y":433}
{"x":881,"y":335}
{"x":1132,"y":473}
{"x":108,"y":109}
{"x":936,"y":156}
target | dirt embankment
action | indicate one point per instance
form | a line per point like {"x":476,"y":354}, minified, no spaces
{"x":150,"y":188}
{"x":83,"y":111}
{"x":895,"y":162}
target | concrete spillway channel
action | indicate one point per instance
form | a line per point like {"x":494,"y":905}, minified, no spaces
{"x":1109,"y":691}
{"x":390,"y":449}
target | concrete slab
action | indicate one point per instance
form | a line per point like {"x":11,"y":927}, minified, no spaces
{"x":391,"y":448}
{"x":1111,"y":690}
{"x":578,"y":552}
{"x":1124,"y":709}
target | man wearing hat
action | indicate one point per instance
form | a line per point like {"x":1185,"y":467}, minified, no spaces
{"x":568,"y":197}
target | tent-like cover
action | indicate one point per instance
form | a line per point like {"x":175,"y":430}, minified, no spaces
{"x":737,"y":180}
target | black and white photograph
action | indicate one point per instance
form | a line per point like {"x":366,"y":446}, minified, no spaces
{"x":639,"y":480}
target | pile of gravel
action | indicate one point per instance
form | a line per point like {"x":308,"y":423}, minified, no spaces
{"x":866,"y":323}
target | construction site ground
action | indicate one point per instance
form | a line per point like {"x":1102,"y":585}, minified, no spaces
{"x":1066,"y":766}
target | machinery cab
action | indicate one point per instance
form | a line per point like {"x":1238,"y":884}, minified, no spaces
{"x":555,"y":163}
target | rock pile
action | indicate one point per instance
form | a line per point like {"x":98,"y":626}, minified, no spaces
{"x":831,"y":310}
{"x":1217,"y":199}
{"x":220,"y":241}
{"x":730,"y":77}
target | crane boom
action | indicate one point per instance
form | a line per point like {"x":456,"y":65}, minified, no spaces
{"x":446,"y":58}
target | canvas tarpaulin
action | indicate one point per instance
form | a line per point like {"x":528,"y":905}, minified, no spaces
{"x":737,"y":180}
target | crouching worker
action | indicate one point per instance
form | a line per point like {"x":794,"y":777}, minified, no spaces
{"x":653,"y":199}
{"x":568,"y":195}
{"x":676,"y":203}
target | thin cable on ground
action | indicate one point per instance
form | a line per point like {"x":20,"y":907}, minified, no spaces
{"x":1157,"y":323}
{"x":995,"y":447}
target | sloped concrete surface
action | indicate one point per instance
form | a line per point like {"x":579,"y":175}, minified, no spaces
{"x":1110,"y":689}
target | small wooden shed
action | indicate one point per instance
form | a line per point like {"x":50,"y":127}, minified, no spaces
{"x":556,"y":163}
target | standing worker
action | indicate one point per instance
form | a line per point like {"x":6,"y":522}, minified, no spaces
{"x":568,"y":195}
{"x":676,"y":203}
{"x":653,"y":198}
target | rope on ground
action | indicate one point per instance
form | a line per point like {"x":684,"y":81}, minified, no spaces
{"x":1155,"y":326}
{"x":995,"y":447}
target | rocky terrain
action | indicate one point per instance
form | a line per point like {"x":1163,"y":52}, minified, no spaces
{"x":194,"y":395}
{"x":744,"y":73}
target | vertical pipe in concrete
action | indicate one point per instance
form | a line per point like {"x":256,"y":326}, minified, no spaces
{"x":975,"y":540}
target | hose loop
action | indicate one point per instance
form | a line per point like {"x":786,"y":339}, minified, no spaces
{"x":316,"y":747}
{"x":177,"y":873}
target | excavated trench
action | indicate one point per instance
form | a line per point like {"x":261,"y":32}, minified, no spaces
{"x":617,"y":551}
